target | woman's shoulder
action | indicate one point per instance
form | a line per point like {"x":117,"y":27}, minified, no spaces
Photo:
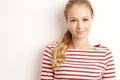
{"x":51,"y":45}
{"x":48,"y":48}
{"x":102,"y":47}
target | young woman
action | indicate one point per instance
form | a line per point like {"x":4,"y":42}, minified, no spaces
{"x":73,"y":57}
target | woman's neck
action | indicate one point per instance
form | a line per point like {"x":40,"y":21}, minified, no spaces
{"x":80,"y":44}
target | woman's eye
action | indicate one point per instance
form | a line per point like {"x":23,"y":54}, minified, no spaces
{"x":72,"y":20}
{"x":85,"y":19}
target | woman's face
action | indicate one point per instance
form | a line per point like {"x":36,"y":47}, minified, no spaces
{"x":79,"y":21}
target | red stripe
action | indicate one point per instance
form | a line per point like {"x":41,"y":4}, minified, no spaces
{"x":88,"y":65}
{"x":110,"y":69}
{"x":110,"y":65}
{"x":110,"y":73}
{"x":85,"y":55}
{"x":109,"y":58}
{"x":49,"y":48}
{"x":47,"y":71}
{"x":77,"y":67}
{"x":47,"y":51}
{"x":110,"y":77}
{"x":86,"y":51}
{"x":93,"y":76}
{"x":47,"y":75}
{"x":47,"y":67}
{"x":85,"y":59}
{"x":47,"y":56}
{"x":108,"y":53}
{"x":79,"y":71}
{"x":46,"y":63}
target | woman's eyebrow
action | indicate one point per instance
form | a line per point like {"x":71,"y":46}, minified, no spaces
{"x":85,"y":17}
{"x":72,"y":17}
{"x":81,"y":17}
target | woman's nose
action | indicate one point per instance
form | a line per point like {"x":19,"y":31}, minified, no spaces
{"x":80,"y":25}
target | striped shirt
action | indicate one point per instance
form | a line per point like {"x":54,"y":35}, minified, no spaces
{"x":96,"y":64}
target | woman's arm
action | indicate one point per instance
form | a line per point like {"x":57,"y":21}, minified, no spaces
{"x":47,"y":70}
{"x":109,"y":73}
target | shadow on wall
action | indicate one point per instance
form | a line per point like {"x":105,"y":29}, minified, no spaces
{"x":62,"y":24}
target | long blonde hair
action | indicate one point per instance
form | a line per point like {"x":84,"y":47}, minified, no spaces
{"x":58,"y":54}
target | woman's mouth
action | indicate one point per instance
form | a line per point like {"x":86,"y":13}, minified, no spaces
{"x":80,"y":31}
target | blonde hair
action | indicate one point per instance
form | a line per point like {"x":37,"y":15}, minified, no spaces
{"x":58,"y":54}
{"x":78,"y":2}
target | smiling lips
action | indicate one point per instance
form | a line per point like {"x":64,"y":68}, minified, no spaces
{"x":80,"y":32}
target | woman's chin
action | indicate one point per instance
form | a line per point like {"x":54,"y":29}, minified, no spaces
{"x":81,"y":36}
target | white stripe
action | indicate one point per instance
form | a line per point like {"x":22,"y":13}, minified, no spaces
{"x":46,"y":78}
{"x":85,"y":59}
{"x":44,"y":69}
{"x":87,"y":53}
{"x":108,"y":75}
{"x":79,"y":77}
{"x":81,"y":72}
{"x":45,"y":57}
{"x":45,"y":65}
{"x":47,"y":61}
{"x":44,"y":73}
{"x":79,"y":69}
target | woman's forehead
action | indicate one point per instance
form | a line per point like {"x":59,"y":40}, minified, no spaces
{"x":79,"y":11}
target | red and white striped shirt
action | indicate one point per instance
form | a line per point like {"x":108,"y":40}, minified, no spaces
{"x":96,"y":64}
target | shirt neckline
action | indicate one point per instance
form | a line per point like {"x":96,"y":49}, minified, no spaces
{"x":94,"y":48}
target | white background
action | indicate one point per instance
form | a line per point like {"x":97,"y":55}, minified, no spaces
{"x":27,"y":26}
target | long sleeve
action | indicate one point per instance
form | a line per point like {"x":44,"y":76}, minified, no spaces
{"x":47,"y":70}
{"x":109,"y":73}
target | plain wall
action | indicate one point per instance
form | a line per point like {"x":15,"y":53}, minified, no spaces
{"x":27,"y":26}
